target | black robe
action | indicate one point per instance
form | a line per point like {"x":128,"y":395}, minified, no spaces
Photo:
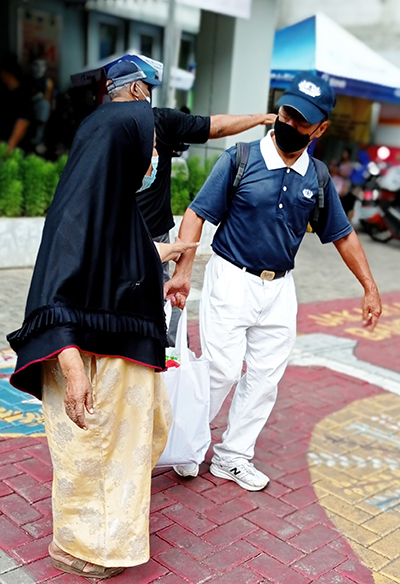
{"x":97,"y":282}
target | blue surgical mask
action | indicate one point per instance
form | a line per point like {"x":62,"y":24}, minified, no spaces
{"x":148,"y":180}
{"x":154,"y":163}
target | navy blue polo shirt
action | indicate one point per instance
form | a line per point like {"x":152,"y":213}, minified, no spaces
{"x":263,"y":225}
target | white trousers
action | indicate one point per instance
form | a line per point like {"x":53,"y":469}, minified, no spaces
{"x":243,"y":317}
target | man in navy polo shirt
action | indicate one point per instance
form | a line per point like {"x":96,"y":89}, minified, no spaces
{"x":248,"y":306}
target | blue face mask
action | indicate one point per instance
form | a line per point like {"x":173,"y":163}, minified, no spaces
{"x":148,"y":180}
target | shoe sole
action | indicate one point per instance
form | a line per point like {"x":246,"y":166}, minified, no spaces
{"x":68,"y":569}
{"x":223,"y":474}
{"x":187,"y":475}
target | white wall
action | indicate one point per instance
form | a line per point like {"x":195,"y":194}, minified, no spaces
{"x":233,"y":64}
{"x":344,"y":12}
{"x":20,"y":240}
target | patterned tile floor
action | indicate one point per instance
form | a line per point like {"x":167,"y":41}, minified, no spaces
{"x":330,"y":514}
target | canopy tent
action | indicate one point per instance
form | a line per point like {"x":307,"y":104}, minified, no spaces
{"x":321,"y":46}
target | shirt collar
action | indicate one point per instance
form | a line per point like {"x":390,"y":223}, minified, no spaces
{"x":274,"y":161}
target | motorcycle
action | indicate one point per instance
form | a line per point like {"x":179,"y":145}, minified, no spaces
{"x":379,"y":213}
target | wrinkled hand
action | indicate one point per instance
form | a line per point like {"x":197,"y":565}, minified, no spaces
{"x":269,"y":119}
{"x":78,"y":397}
{"x":371,"y":309}
{"x":177,"y":290}
{"x":179,"y":247}
{"x":173,"y":251}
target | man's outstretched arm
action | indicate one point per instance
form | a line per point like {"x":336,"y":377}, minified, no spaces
{"x":354,"y":257}
{"x":222,"y":125}
{"x":178,"y":287}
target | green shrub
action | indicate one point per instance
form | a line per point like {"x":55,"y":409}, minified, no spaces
{"x":27,"y":185}
{"x":180,"y":198}
{"x":186,"y":185}
{"x":3,"y":151}
{"x":60,"y":164}
{"x":39,"y":185}
{"x":51,"y":176}
{"x":11,"y":186}
{"x":197,"y":175}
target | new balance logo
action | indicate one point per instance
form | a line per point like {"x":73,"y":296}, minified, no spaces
{"x":235,"y":471}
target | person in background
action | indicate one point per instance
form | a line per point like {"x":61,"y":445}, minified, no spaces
{"x":16,"y":113}
{"x":341,"y":171}
{"x":42,"y":90}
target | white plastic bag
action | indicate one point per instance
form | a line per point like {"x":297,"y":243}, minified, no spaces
{"x":188,"y":388}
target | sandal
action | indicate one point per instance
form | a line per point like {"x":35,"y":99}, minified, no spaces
{"x":77,"y":567}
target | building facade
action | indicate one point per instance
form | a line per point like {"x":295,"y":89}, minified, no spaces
{"x":230,"y":56}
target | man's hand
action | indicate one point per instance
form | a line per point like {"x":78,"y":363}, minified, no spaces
{"x":177,"y":290}
{"x":354,"y":257}
{"x":79,"y":391}
{"x":371,"y":309}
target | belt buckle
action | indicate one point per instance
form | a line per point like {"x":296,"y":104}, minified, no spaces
{"x":267,"y":275}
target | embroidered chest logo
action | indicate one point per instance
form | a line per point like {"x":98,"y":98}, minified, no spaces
{"x":309,"y":88}
{"x":307,"y":193}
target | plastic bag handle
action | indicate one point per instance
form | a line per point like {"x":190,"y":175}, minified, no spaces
{"x":181,"y":337}
{"x":168,"y":313}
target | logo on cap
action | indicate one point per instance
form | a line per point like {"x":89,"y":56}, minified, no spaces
{"x":309,"y":88}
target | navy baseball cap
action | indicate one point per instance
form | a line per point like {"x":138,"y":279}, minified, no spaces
{"x":311,"y":96}
{"x":132,"y":68}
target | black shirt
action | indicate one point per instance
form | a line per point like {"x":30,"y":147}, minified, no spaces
{"x":172,"y":128}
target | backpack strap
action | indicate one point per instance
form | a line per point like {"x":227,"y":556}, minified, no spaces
{"x":323,"y":177}
{"x":242,"y":156}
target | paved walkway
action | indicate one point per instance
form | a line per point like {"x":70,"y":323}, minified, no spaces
{"x":332,"y":510}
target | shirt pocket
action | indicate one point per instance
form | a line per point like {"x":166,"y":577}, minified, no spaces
{"x":302,"y":211}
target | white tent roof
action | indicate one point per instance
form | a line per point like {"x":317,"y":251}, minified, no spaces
{"x":320,"y":45}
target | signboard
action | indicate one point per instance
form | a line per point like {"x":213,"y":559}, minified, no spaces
{"x":350,"y":120}
{"x":40,"y":37}
{"x":238,"y":8}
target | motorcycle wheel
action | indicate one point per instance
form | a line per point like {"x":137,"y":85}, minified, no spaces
{"x":383,"y":236}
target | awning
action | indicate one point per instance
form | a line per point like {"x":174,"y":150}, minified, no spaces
{"x":323,"y":47}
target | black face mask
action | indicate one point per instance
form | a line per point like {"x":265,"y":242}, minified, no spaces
{"x":288,"y":139}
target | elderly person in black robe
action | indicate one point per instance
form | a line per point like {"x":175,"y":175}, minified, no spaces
{"x":92,"y":344}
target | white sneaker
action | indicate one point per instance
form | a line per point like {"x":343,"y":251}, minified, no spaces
{"x":245,"y":475}
{"x":187,"y":470}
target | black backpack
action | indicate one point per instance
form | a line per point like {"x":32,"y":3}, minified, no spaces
{"x":242,"y":156}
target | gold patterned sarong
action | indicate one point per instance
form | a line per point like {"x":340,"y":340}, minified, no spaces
{"x":102,"y":476}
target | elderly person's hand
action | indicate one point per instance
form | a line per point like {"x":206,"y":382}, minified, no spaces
{"x":79,"y":391}
{"x":371,"y":309}
{"x":177,"y":290}
{"x":173,"y":251}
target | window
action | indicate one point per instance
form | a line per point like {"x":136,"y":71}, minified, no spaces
{"x":146,"y":44}
{"x":108,"y":35}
